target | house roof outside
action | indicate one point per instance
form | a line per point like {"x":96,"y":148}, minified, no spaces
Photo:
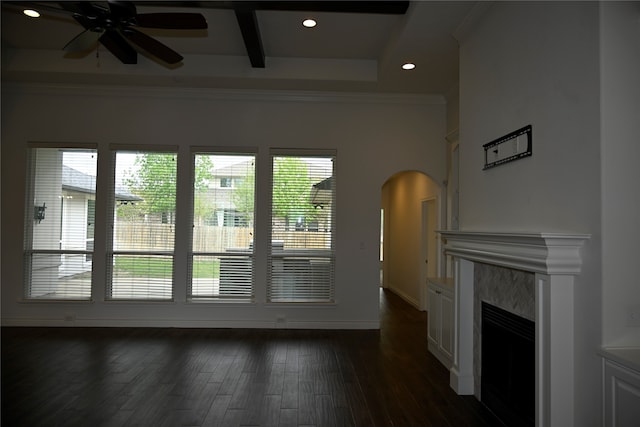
{"x":74,"y":180}
{"x":238,"y":169}
{"x":322,"y":192}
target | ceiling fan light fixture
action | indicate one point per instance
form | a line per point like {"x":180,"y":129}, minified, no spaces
{"x":31,"y":13}
{"x":408,"y":66}
{"x":309,"y":23}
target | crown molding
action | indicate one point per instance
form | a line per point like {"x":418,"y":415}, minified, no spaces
{"x":57,"y":89}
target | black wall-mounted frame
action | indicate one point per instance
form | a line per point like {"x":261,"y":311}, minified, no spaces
{"x":513,"y":146}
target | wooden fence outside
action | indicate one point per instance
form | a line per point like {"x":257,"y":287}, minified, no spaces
{"x":149,"y":237}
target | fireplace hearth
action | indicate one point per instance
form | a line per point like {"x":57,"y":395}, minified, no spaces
{"x":508,"y":365}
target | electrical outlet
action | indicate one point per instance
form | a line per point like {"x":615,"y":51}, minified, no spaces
{"x":69,"y":317}
{"x":633,"y":316}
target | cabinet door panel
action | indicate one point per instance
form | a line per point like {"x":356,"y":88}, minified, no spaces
{"x":433,"y":314}
{"x":446,"y":325}
{"x":622,"y":395}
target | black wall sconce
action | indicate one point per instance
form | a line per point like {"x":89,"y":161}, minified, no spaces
{"x":38,"y":212}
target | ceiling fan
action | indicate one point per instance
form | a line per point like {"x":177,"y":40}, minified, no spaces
{"x":114,"y":26}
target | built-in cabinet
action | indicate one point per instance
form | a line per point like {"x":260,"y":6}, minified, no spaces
{"x":621,"y":375}
{"x":440,"y":311}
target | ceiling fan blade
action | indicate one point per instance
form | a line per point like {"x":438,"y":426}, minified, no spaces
{"x":84,"y":41}
{"x":86,"y":23}
{"x":172,"y":21}
{"x":119,"y":47}
{"x":152,"y":46}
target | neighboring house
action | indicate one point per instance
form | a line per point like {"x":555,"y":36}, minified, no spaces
{"x":322,"y":193}
{"x":225,"y":180}
{"x":78,"y":218}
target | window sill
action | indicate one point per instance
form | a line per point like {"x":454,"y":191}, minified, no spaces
{"x":54,"y":301}
{"x":139,"y":301}
{"x":298,"y":304}
{"x":221,"y":302}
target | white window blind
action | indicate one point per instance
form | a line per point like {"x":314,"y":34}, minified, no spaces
{"x":143,"y":233}
{"x":223,"y":219}
{"x":59,"y":223}
{"x":301,"y":255}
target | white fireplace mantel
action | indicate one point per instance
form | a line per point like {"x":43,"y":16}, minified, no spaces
{"x":556,"y":260}
{"x":546,"y":253}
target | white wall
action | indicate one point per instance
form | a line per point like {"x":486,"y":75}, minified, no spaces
{"x":620,"y":127}
{"x":375,"y":137}
{"x":538,"y":63}
{"x":453,"y":109}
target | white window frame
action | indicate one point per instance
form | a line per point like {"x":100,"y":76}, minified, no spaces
{"x":111,"y":252}
{"x":30,"y":223}
{"x":235,"y":259}
{"x":302,"y":262}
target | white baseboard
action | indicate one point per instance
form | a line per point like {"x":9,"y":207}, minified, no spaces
{"x":459,"y":383}
{"x":191,"y":323}
{"x":415,"y":303}
{"x":433,"y":349}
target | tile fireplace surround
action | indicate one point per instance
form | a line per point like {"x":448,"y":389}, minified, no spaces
{"x":554,"y":259}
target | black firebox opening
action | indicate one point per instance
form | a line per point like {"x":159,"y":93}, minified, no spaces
{"x":508,"y":365}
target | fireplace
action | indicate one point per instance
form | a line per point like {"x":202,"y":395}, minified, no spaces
{"x":553,"y":260}
{"x":508,"y":365}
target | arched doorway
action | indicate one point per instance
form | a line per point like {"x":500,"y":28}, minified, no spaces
{"x":410,"y":214}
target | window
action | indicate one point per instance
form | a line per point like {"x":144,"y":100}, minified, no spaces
{"x":144,"y":201}
{"x":140,"y":227}
{"x":59,"y":229}
{"x":222,"y":249}
{"x":301,"y":258}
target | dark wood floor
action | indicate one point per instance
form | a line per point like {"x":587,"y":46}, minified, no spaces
{"x":222,"y":377}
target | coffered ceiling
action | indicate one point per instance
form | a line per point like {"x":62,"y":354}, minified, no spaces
{"x":356,"y":46}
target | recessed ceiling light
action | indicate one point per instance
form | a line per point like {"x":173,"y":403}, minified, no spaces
{"x":408,"y":66}
{"x":31,"y":13}
{"x":309,"y":23}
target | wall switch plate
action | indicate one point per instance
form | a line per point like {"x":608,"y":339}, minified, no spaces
{"x":633,"y":316}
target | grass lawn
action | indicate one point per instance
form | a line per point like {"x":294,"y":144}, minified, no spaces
{"x":159,"y":266}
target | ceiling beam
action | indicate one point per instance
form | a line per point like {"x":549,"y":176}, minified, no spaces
{"x":388,"y":7}
{"x":248,"y":22}
{"x":392,"y":7}
{"x":245,"y":12}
